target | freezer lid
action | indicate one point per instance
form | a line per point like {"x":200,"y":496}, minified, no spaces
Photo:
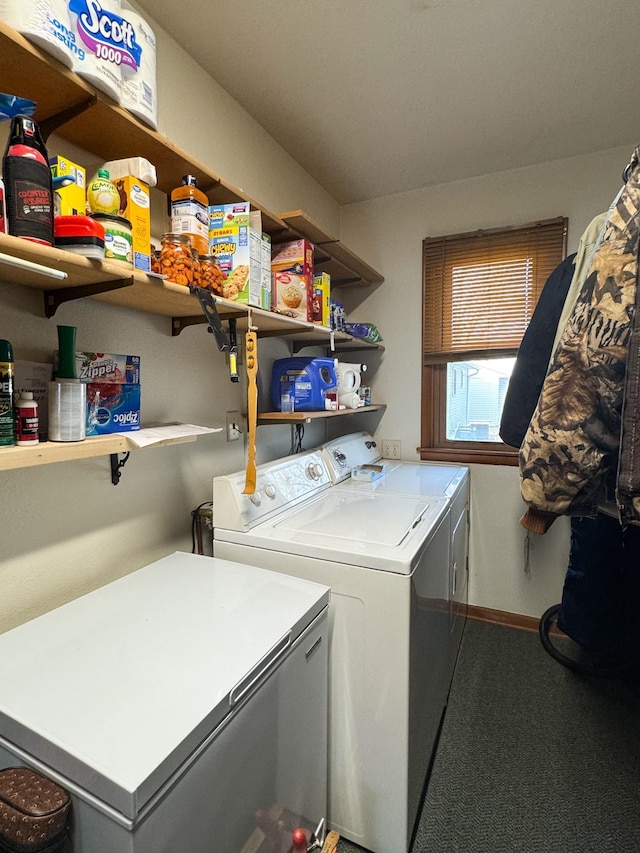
{"x":115,"y":689}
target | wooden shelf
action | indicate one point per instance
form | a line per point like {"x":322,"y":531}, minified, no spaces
{"x":331,"y":256}
{"x":307,"y":417}
{"x":64,"y":451}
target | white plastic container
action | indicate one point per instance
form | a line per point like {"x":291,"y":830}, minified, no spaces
{"x":26,"y":409}
{"x":67,"y":410}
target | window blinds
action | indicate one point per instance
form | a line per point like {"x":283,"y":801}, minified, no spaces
{"x":480,"y":288}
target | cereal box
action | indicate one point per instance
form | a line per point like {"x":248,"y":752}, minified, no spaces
{"x":69,"y":200}
{"x":235,"y":239}
{"x":321,"y":298}
{"x":266,"y":272}
{"x":292,"y":278}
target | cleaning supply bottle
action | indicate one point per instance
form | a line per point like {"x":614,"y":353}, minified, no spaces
{"x":26,"y":420}
{"x":7,"y":428}
{"x":102,"y":195}
{"x":28,"y":183}
{"x":190,"y":214}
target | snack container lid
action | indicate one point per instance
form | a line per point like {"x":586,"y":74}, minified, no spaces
{"x":77,"y":226}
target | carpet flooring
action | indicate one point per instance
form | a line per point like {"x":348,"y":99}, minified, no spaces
{"x":532,"y":758}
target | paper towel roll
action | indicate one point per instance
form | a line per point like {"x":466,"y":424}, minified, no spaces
{"x":44,"y":22}
{"x":350,"y":400}
{"x":139,"y":85}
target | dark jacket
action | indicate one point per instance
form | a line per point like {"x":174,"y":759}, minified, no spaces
{"x":534,"y":354}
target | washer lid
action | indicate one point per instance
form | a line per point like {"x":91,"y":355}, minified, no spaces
{"x":116,"y":689}
{"x":372,"y":530}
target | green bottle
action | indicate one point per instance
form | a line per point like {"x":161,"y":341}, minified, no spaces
{"x":7,"y":426}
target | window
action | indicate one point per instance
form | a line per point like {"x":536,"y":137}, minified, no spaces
{"x":479,"y":293}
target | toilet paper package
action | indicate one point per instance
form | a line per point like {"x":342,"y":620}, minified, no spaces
{"x":107,"y":41}
{"x":46,"y":23}
{"x":139,"y":94}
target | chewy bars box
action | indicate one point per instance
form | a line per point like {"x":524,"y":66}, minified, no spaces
{"x":235,"y":240}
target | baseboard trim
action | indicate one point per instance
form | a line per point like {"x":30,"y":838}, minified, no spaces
{"x":503,"y":617}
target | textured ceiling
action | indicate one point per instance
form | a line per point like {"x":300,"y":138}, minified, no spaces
{"x":374,"y":98}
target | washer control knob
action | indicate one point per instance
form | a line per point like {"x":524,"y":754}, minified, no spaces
{"x":340,"y":458}
{"x":270,"y":491}
{"x":314,"y":470}
{"x":256,"y":498}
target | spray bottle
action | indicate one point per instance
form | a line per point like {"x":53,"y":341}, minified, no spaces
{"x":7,"y":416}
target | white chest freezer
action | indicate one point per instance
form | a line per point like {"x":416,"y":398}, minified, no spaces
{"x":184,"y":707}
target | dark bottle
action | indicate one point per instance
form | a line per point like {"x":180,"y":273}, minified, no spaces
{"x":28,"y":183}
{"x":7,"y":427}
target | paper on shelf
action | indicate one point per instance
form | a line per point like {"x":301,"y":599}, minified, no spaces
{"x":167,"y":432}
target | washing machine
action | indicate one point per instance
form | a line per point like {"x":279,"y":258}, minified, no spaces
{"x":386,"y":558}
{"x":355,"y":461}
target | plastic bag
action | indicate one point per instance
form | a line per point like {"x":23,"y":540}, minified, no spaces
{"x":12,"y":105}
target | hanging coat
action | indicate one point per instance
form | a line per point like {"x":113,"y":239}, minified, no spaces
{"x":570,"y":453}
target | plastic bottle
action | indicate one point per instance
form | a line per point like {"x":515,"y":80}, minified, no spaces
{"x":26,"y":420}
{"x":102,"y":194}
{"x":7,"y":427}
{"x":190,"y":214}
{"x":28,"y":183}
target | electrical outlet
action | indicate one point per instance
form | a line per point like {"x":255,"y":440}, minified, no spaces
{"x":391,"y":449}
{"x":233,"y":426}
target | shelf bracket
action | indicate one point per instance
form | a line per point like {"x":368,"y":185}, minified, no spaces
{"x":180,"y":323}
{"x":53,"y":299}
{"x":50,"y":125}
{"x":116,"y":466}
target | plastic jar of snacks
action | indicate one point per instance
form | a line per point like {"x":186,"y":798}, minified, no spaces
{"x":211,"y":276}
{"x":176,"y":259}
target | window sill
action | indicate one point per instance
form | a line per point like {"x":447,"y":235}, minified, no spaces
{"x":467,"y":455}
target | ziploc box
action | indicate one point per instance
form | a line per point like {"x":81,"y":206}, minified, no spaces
{"x":70,"y":200}
{"x":108,"y":367}
{"x":132,"y":179}
{"x":112,"y":407}
{"x":292,"y":279}
{"x":235,"y":239}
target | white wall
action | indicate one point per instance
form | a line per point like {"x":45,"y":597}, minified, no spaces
{"x":388,"y":232}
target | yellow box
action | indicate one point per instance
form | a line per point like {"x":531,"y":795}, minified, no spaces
{"x":70,"y":200}
{"x":322,"y":283}
{"x":136,"y":207}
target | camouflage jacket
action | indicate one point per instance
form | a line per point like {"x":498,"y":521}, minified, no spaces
{"x":581,"y":442}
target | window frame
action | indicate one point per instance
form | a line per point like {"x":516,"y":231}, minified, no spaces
{"x":434,"y":446}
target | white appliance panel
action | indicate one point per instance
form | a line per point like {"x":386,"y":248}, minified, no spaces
{"x":142,"y":670}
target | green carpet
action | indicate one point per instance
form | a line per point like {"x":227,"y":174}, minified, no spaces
{"x":531,"y":757}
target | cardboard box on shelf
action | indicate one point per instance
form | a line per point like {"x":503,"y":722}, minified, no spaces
{"x":107,"y":367}
{"x":71,"y":199}
{"x":235,"y":239}
{"x":322,"y":295}
{"x":266,"y":272}
{"x":112,"y":407}
{"x":292,"y":278}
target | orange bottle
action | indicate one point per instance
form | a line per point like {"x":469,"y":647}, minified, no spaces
{"x":190,"y":214}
